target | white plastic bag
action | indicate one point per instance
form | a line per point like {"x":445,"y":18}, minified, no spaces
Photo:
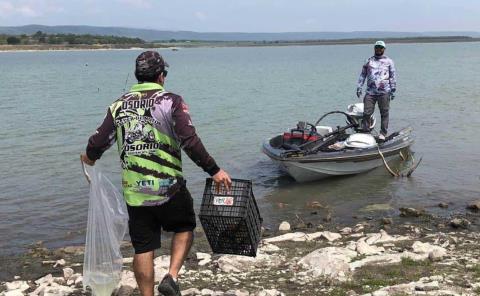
{"x":106,"y":227}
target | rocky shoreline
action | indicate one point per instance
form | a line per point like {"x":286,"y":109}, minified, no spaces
{"x":412,"y":254}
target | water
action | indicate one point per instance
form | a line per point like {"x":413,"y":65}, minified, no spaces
{"x":52,"y":102}
{"x":102,"y":284}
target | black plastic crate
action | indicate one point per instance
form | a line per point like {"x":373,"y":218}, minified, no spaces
{"x":231,"y":220}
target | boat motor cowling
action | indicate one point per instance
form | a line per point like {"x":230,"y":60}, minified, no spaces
{"x":356,"y":111}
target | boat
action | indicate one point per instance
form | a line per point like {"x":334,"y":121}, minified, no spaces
{"x":311,"y":152}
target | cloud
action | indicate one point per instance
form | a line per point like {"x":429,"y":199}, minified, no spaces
{"x":137,"y":3}
{"x":200,"y":15}
{"x":29,"y":8}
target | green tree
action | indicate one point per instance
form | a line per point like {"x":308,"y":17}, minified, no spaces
{"x":12,"y":40}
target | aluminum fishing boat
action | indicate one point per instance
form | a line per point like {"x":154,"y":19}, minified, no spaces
{"x":312,"y":151}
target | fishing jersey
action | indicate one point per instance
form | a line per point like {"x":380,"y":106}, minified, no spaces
{"x":150,"y":126}
{"x":380,"y":75}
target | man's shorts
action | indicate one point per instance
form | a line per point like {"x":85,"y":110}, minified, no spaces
{"x":146,"y":222}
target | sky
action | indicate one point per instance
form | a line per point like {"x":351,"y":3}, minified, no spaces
{"x":250,"y":15}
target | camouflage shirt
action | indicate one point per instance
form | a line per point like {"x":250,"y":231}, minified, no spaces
{"x":380,"y":75}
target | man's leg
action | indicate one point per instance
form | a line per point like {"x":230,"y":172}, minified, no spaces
{"x":181,"y":244}
{"x":384,"y":106}
{"x":368,"y":109}
{"x":143,"y":269}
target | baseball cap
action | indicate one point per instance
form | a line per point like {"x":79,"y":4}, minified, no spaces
{"x":149,"y":63}
{"x":380,"y":43}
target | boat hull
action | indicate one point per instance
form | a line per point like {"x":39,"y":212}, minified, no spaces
{"x":305,"y":172}
{"x":310,"y":167}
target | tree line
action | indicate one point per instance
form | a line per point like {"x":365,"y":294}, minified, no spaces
{"x":66,"y":39}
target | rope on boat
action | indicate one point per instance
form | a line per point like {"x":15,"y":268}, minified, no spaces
{"x":386,"y":164}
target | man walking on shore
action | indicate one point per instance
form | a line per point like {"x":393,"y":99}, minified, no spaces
{"x":379,"y":71}
{"x":151,"y":126}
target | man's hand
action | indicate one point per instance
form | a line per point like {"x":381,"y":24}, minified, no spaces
{"x":222,"y":178}
{"x":87,"y":160}
{"x":359,"y":92}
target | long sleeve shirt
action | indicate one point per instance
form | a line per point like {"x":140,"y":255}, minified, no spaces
{"x":380,"y":74}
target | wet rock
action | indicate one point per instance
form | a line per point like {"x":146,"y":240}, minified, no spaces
{"x":284,"y":226}
{"x":387,"y":221}
{"x":411,"y":212}
{"x":474,"y":206}
{"x":460,"y":223}
{"x":73,"y":250}
{"x":443,"y":205}
{"x":124,"y":291}
{"x":315,"y":205}
{"x":376,"y":207}
{"x":300,"y":226}
{"x":330,"y":262}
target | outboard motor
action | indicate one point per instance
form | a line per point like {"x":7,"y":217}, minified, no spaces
{"x":356,"y":111}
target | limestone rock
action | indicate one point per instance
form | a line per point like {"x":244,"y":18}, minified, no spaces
{"x":60,"y":262}
{"x":46,"y":279}
{"x":427,"y":286}
{"x":128,"y":279}
{"x":191,"y":292}
{"x":204,"y":258}
{"x":16,"y":292}
{"x":330,"y":262}
{"x":294,"y":236}
{"x":207,"y":292}
{"x":17,"y":285}
{"x":57,"y":291}
{"x":68,"y":273}
{"x":235,"y":263}
{"x":284,"y":226}
{"x":269,"y":292}
{"x":128,"y":260}
{"x":346,"y":230}
{"x":460,"y":223}
{"x":433,"y":252}
{"x":269,"y":248}
{"x":363,"y":248}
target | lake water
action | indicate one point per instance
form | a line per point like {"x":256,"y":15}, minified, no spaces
{"x":52,"y":102}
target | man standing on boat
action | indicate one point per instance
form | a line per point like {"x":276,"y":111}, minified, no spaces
{"x":151,"y":126}
{"x":379,"y":71}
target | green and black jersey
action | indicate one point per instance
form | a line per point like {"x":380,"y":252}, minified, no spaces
{"x":151,"y":126}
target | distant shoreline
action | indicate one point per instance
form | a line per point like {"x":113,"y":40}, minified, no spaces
{"x":199,"y":44}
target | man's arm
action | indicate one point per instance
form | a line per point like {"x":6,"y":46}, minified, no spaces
{"x":99,"y":142}
{"x":363,"y":75}
{"x":393,"y":77}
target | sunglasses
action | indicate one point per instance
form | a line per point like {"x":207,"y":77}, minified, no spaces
{"x":379,"y":46}
{"x":165,"y":72}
